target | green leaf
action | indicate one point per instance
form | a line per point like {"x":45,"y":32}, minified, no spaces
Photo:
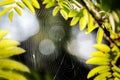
{"x":102,"y":47}
{"x":83,"y":20}
{"x":74,"y":20}
{"x":56,"y":10}
{"x":46,"y":1}
{"x":64,"y":14}
{"x":72,"y":13}
{"x":97,"y":70}
{"x":9,"y":75}
{"x":91,"y":25}
{"x":49,"y":5}
{"x":100,"y":34}
{"x":13,"y":65}
{"x":10,"y":51}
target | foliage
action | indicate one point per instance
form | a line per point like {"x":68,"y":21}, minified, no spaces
{"x":91,"y":15}
{"x":10,"y":69}
{"x":12,"y":6}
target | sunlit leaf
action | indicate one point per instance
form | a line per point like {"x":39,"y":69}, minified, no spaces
{"x":83,"y":20}
{"x":5,"y":10}
{"x":20,"y":4}
{"x":17,"y":9}
{"x":56,"y":10}
{"x":97,"y":70}
{"x":35,"y":3}
{"x":13,"y":65}
{"x":64,"y":14}
{"x":100,"y":34}
{"x":3,"y":33}
{"x":102,"y":47}
{"x":6,"y":2}
{"x":11,"y":15}
{"x":9,"y":75}
{"x":74,"y":20}
{"x":51,"y":4}
{"x":91,"y":25}
{"x":72,"y":13}
{"x":28,"y":4}
{"x":10,"y":51}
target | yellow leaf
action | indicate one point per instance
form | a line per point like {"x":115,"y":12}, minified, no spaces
{"x":98,"y":61}
{"x":10,"y":51}
{"x":56,"y":10}
{"x":97,"y":69}
{"x":74,"y":20}
{"x":3,"y":33}
{"x":83,"y":20}
{"x":6,"y":2}
{"x":10,"y":75}
{"x":20,"y":4}
{"x":46,"y":1}
{"x":11,"y":15}
{"x":28,"y":4}
{"x":64,"y":14}
{"x":102,"y":47}
{"x":17,"y":9}
{"x":8,"y":43}
{"x":13,"y":65}
{"x":100,"y":34}
{"x":5,"y":10}
{"x":72,"y":13}
{"x":35,"y":3}
{"x":91,"y":24}
{"x":51,"y":4}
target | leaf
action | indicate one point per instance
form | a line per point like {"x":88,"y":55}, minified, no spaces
{"x":64,"y":14}
{"x":9,"y":75}
{"x":13,"y":65}
{"x":3,"y":33}
{"x":72,"y":13}
{"x":5,"y":10}
{"x":74,"y":20}
{"x":49,"y":5}
{"x":46,"y":1}
{"x":100,"y":54}
{"x":97,"y":70}
{"x":11,"y":15}
{"x":17,"y":9}
{"x":56,"y":10}
{"x":6,"y":2}
{"x":100,"y":34}
{"x":20,"y":4}
{"x":35,"y":3}
{"x":116,"y":69}
{"x":98,"y":60}
{"x":10,"y":51}
{"x":83,"y":20}
{"x":28,"y":4}
{"x":103,"y":76}
{"x":102,"y":47}
{"x":91,"y":25}
{"x":115,"y":74}
{"x":8,"y":43}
